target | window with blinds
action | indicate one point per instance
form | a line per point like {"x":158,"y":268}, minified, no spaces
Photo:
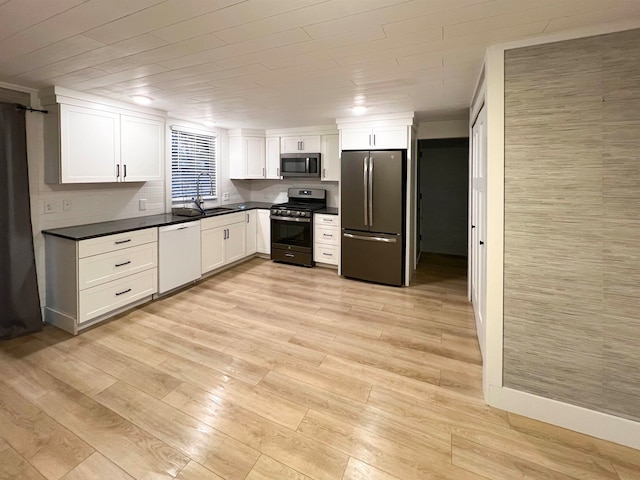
{"x":192,"y":154}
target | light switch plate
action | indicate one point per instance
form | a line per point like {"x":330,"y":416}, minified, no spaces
{"x":66,"y":205}
{"x":225,"y":196}
{"x":142,"y":204}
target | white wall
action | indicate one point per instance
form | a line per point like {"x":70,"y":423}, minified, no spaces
{"x":275,"y":191}
{"x":444,"y":129}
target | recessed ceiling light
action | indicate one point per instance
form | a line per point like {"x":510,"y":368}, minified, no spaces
{"x":358,"y":109}
{"x":209,"y":123}
{"x":141,"y":100}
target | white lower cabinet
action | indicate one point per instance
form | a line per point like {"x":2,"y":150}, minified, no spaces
{"x":251,"y":231}
{"x":90,"y":280}
{"x":223,"y":240}
{"x":264,"y":231}
{"x":326,"y":239}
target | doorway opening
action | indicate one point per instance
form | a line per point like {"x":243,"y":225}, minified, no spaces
{"x":443,"y":197}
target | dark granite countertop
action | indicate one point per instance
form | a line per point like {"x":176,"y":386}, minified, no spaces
{"x":93,"y":230}
{"x":328,"y":211}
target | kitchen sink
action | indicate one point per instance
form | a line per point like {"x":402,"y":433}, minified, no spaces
{"x":213,"y":211}
{"x":194,"y":212}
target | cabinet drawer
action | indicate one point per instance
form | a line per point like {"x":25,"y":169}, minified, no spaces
{"x":119,"y":241}
{"x":328,"y":235}
{"x":222,"y":220}
{"x":324,"y":219}
{"x":326,"y":253}
{"x":99,"y":269}
{"x":109,"y":296}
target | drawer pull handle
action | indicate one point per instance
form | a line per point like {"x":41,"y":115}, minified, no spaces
{"x":119,"y":242}
{"x":290,"y":255}
{"x":327,"y":235}
{"x":123,"y":263}
{"x":327,"y":254}
{"x":327,"y":220}
{"x":123,"y":292}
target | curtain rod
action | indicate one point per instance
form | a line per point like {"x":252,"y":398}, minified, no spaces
{"x":29,"y":109}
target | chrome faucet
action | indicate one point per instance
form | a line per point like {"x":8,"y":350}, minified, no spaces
{"x":198,"y":200}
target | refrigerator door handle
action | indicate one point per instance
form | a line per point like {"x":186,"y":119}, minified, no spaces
{"x":365,"y":178}
{"x":369,"y":239}
{"x":371,"y":191}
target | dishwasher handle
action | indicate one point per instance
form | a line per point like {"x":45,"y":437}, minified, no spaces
{"x":179,"y":226}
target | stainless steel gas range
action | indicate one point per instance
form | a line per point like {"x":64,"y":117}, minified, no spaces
{"x":292,"y":226}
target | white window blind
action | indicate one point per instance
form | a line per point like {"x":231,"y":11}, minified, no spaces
{"x":192,"y":154}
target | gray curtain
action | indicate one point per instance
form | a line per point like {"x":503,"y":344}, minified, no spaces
{"x":19,"y":299}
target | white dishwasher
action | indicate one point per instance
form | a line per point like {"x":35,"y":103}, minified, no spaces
{"x":178,"y":255}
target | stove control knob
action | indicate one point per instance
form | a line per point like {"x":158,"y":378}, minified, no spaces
{"x":297,"y":214}
{"x":288,"y":212}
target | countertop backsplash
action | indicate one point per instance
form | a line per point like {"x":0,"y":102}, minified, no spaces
{"x":275,"y":191}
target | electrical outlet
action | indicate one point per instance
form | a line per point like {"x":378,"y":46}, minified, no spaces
{"x":142,"y":204}
{"x":49,"y":206}
{"x":225,"y":196}
{"x":66,"y":205}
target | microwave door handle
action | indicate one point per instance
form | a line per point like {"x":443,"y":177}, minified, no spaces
{"x":306,"y":165}
{"x":365,"y":174}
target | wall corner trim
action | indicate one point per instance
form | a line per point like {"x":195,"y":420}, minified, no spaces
{"x":597,"y":424}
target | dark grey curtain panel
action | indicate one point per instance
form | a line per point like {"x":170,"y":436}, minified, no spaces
{"x":20,"y":311}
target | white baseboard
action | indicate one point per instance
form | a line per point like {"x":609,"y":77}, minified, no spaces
{"x":597,"y":424}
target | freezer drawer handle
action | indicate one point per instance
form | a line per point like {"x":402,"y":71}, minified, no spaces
{"x":123,"y":292}
{"x":370,"y":239}
{"x":123,"y":263}
{"x":119,"y":242}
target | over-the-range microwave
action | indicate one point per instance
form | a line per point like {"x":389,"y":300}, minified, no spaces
{"x":300,"y":164}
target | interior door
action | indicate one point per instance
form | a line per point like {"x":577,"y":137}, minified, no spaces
{"x":386,"y":189}
{"x":354,"y":180}
{"x":478,"y":222}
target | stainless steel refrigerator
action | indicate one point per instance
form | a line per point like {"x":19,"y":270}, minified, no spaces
{"x":373,"y":199}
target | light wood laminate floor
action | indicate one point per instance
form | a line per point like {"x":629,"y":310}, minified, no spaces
{"x":270,"y":371}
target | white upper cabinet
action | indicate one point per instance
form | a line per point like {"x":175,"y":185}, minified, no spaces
{"x":247,"y":157}
{"x":375,"y":138}
{"x":273,"y":158}
{"x":330,"y":160}
{"x":142,"y":144}
{"x":87,"y":142}
{"x":89,"y":149}
{"x":301,"y":144}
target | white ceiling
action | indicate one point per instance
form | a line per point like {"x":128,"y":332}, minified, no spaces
{"x":276,"y":63}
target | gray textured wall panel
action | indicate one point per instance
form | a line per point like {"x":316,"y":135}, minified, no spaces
{"x":572,"y":222}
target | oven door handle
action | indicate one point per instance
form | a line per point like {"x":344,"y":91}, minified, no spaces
{"x":291,"y":219}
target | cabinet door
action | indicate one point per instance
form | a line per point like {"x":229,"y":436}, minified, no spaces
{"x":142,"y":149}
{"x":89,"y":145}
{"x":390,"y":137}
{"x":252,"y":232}
{"x":310,"y":143}
{"x":289,"y":144}
{"x":254,"y":157}
{"x":237,"y":165}
{"x":212,"y":245}
{"x":330,"y":158}
{"x":236,"y":243}
{"x":355,"y":138}
{"x":273,"y":158}
{"x":264,"y":231}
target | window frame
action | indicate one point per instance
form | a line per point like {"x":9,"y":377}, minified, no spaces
{"x":216,"y":164}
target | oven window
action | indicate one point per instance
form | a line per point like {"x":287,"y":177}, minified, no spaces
{"x":294,"y":165}
{"x":296,"y":234}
